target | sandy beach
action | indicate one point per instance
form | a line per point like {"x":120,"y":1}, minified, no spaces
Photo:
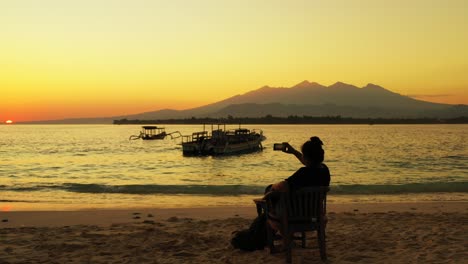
{"x":429,"y":232}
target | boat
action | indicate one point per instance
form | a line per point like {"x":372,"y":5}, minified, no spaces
{"x":194,"y":144}
{"x":222,"y":142}
{"x":150,"y":133}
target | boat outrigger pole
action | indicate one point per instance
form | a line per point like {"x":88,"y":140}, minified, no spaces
{"x":175,"y":132}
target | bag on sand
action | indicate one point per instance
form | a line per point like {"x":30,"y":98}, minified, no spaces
{"x":253,"y":238}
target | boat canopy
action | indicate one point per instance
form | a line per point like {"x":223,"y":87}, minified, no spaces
{"x":152,"y":127}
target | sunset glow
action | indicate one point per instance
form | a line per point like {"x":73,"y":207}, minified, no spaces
{"x":9,"y":122}
{"x":65,"y":59}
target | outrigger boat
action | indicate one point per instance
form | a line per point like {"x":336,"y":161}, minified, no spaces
{"x":221,"y":141}
{"x":150,"y":133}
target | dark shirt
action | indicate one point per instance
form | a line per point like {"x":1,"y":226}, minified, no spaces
{"x":309,"y":177}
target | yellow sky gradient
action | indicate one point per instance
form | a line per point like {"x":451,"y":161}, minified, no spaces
{"x":90,"y":58}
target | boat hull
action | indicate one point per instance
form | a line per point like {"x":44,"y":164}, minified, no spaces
{"x":153,"y":137}
{"x":245,"y":147}
{"x":194,"y":148}
{"x":191,"y":149}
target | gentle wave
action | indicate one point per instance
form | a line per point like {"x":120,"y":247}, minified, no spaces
{"x":229,"y":190}
{"x":19,"y":201}
{"x":434,"y":187}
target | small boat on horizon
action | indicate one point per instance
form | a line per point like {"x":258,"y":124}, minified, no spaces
{"x":222,"y":142}
{"x":150,"y":133}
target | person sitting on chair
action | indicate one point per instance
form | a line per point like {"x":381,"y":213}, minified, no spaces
{"x":315,"y":172}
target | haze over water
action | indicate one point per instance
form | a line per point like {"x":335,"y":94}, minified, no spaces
{"x":96,"y":166}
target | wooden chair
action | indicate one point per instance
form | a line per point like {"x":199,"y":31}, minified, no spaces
{"x":295,"y":212}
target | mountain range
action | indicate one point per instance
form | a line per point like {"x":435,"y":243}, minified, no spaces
{"x":305,"y":98}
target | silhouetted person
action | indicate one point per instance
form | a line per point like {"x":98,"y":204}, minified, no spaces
{"x":315,"y":173}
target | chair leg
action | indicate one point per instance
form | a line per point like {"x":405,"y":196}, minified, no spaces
{"x":270,"y":239}
{"x":288,"y":243}
{"x":322,"y":242}
{"x":303,"y":239}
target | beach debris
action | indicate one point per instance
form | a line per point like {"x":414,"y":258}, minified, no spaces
{"x":4,"y":220}
{"x":136,"y":215}
{"x":173,"y":219}
{"x":149,"y":215}
{"x":356,"y":210}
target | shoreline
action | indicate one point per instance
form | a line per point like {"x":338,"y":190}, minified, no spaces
{"x":109,"y":216}
{"x":93,"y":202}
{"x":364,"y":123}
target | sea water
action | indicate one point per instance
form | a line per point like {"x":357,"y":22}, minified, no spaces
{"x":97,"y":166}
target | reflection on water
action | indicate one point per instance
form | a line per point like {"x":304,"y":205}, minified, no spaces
{"x":59,"y":163}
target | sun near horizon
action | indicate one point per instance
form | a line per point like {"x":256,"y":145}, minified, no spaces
{"x":66,"y":59}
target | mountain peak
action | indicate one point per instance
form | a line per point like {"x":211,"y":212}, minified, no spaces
{"x":373,"y":86}
{"x":341,"y":85}
{"x":377,"y":89}
{"x":305,"y":84}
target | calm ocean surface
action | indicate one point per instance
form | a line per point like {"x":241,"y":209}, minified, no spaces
{"x":96,"y":166}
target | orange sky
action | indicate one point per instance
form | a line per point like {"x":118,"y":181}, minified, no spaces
{"x":64,"y":59}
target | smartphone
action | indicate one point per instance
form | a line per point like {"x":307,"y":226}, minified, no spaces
{"x":278,"y":146}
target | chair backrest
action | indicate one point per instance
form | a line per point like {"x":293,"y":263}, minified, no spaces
{"x":304,"y":205}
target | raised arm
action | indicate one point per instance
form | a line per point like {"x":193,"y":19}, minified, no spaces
{"x":289,"y":149}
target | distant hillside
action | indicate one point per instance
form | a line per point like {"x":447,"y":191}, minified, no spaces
{"x":306,"y":98}
{"x":313,"y":99}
